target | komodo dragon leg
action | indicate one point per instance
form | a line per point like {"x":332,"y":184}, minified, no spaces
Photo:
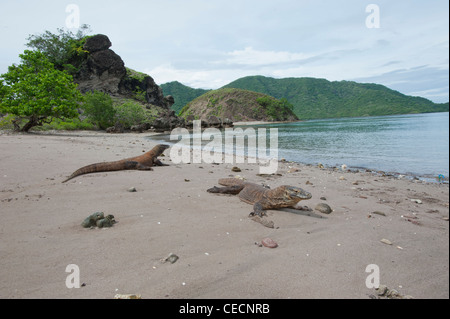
{"x":259,"y":208}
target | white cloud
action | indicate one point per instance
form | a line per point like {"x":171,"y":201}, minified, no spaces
{"x":195,"y":78}
{"x":252,"y":57}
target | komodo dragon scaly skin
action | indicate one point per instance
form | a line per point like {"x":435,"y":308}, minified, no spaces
{"x":142,"y":162}
{"x":260,"y":197}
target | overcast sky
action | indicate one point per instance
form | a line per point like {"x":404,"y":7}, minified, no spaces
{"x":209,"y":43}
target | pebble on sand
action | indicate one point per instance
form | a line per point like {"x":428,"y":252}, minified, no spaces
{"x":323,"y":208}
{"x":267,"y":242}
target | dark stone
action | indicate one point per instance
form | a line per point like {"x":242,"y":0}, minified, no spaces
{"x":167,"y":121}
{"x":96,"y":43}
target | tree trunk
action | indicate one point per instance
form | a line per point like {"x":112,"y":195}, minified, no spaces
{"x":31,"y":123}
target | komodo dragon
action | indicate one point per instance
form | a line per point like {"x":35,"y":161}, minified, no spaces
{"x":261,"y":197}
{"x":142,"y":162}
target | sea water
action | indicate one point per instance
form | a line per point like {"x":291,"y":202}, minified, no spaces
{"x":413,"y":144}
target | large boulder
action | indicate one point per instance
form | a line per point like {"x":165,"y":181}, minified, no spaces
{"x":96,"y":43}
{"x":103,"y":69}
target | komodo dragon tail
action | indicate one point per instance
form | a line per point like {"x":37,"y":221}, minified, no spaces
{"x":102,"y":167}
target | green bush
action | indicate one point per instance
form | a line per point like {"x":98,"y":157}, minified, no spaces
{"x":69,"y":125}
{"x":129,"y":113}
{"x":98,"y":107}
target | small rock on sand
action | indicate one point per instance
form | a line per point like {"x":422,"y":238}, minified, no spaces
{"x":267,"y":242}
{"x":323,"y":208}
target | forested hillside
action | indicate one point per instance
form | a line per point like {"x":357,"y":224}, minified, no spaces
{"x":319,"y":98}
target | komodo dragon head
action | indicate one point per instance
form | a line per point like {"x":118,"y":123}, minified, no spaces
{"x":296,"y":193}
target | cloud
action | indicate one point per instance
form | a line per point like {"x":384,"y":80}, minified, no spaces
{"x":195,"y":78}
{"x":428,"y":81}
{"x":251,"y":57}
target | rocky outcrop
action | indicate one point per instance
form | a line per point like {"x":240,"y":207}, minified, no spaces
{"x":103,"y":70}
{"x":212,"y":121}
{"x":167,"y":121}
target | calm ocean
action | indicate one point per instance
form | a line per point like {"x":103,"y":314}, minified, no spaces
{"x":416,"y":144}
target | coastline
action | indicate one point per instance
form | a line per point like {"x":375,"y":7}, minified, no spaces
{"x":319,"y":256}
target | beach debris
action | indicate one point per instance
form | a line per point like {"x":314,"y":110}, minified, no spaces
{"x":91,"y":220}
{"x":342,"y":178}
{"x":108,"y":221}
{"x":323,"y":208}
{"x":127,"y":296}
{"x":132,"y":189}
{"x":269,"y":243}
{"x":323,"y":198}
{"x":411,"y":219}
{"x":418,"y":201}
{"x":187,"y":180}
{"x":99,"y":220}
{"x":385,"y":292}
{"x":293,"y":170}
{"x":309,"y":183}
{"x":379,"y":213}
{"x":386,"y":241}
{"x":172,"y":258}
{"x":320,"y":165}
{"x":236,"y":169}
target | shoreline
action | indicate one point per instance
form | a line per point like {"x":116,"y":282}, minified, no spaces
{"x":397,"y":224}
{"x":426,"y":178}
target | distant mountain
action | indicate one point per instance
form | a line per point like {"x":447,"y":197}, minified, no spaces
{"x":182,"y":94}
{"x":319,"y":98}
{"x":238,"y":105}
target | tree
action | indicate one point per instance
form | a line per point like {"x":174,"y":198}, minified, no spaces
{"x":64,"y":49}
{"x":36,"y":92}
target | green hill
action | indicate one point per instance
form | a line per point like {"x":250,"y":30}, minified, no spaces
{"x":319,"y":98}
{"x":239,"y":105}
{"x":182,"y":94}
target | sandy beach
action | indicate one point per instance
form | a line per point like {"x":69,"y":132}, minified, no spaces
{"x":399,"y":225}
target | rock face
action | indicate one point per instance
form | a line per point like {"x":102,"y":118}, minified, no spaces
{"x":167,"y":121}
{"x":104,"y":70}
